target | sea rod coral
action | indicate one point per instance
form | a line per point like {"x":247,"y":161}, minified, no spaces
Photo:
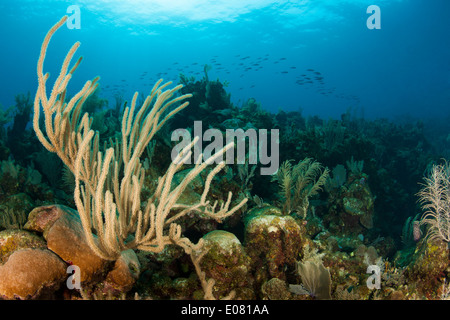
{"x":435,"y":200}
{"x":109,"y":180}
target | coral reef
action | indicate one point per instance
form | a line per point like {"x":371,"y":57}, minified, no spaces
{"x":135,"y":224}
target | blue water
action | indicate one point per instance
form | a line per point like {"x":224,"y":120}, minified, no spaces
{"x":263,"y":49}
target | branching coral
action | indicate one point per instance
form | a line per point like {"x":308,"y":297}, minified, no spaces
{"x":435,"y":199}
{"x":298,"y":183}
{"x":108,"y":182}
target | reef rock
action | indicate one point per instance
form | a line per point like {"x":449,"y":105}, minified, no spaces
{"x":358,"y":204}
{"x":272,"y":243}
{"x":427,"y":266}
{"x":265,"y":210}
{"x":16,"y":239}
{"x":61,"y":227}
{"x":124,"y":274}
{"x":275,"y":289}
{"x":31,"y":274}
{"x":227,"y":263}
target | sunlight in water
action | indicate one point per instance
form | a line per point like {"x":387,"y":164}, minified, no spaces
{"x":157,"y":11}
{"x":180,"y":12}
